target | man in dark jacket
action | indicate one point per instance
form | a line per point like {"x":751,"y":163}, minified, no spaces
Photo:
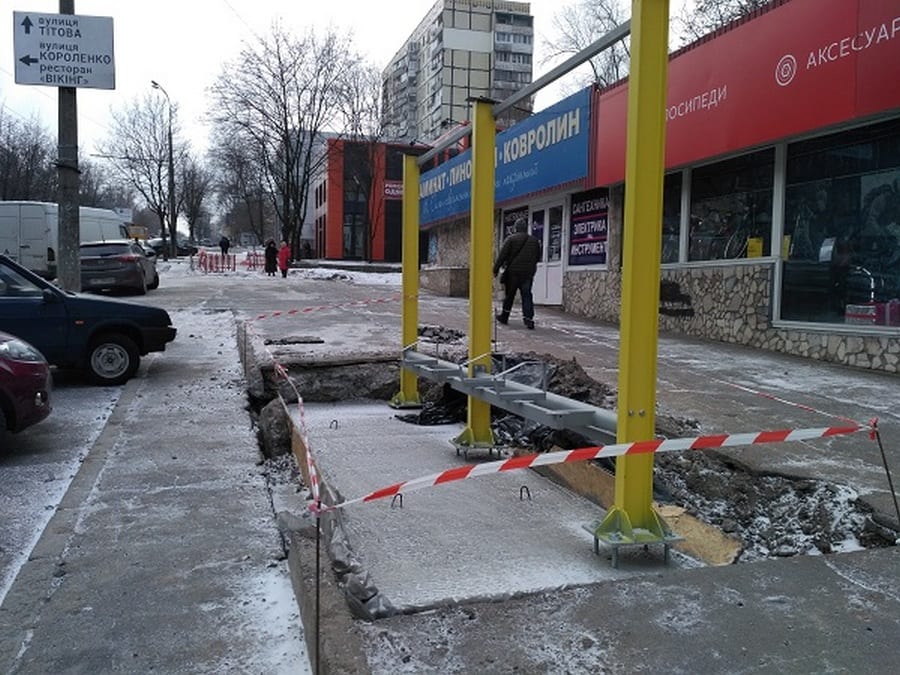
{"x":519,"y":256}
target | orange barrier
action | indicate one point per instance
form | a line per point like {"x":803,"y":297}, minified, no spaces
{"x":253,"y":260}
{"x":216,"y":262}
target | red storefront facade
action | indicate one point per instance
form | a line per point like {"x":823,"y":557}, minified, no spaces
{"x":781,"y":225}
{"x":357,"y":204}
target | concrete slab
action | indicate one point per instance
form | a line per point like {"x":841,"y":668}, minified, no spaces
{"x":474,"y":539}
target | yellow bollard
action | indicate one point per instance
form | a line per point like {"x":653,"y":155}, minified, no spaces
{"x":481,"y":260}
{"x":632,"y":518}
{"x":408,"y":396}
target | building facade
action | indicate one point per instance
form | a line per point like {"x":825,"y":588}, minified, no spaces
{"x":462,"y":49}
{"x":357,"y":201}
{"x":781,"y":204}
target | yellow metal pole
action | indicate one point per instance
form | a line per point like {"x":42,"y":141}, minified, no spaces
{"x":632,"y":517}
{"x":481,"y":259}
{"x":408,"y":396}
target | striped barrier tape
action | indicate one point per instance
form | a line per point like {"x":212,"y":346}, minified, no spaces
{"x":319,"y":308}
{"x":596,"y":452}
{"x":784,"y":401}
{"x":304,"y":434}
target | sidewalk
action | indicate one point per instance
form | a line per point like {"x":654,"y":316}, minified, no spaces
{"x":163,"y":556}
{"x":485,"y":588}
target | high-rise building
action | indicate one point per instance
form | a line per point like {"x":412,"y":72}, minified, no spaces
{"x":462,"y":49}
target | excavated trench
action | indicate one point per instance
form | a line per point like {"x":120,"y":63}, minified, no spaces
{"x":765,"y":515}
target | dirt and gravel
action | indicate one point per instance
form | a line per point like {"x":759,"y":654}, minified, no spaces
{"x":771,"y":515}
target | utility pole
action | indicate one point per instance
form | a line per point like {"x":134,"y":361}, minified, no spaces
{"x":173,"y":219}
{"x":69,"y":177}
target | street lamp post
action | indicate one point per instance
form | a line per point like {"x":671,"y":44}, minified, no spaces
{"x":172,"y":215}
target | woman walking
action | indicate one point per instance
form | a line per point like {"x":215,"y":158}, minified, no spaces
{"x":284,"y":257}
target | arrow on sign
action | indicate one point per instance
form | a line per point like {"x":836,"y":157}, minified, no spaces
{"x":28,"y":59}
{"x":27,"y":23}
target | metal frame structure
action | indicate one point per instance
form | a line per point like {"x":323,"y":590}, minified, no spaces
{"x":631,"y":520}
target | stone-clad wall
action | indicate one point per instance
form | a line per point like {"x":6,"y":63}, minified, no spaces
{"x":452,"y":245}
{"x":731,"y":303}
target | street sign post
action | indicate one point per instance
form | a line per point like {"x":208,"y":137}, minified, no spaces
{"x":64,"y":50}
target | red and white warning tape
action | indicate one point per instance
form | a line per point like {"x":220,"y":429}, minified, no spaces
{"x":793,"y":404}
{"x":319,"y":308}
{"x":596,"y":452}
{"x":304,"y":434}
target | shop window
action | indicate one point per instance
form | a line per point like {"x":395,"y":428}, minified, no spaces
{"x":671,"y":223}
{"x":841,"y":244}
{"x":731,"y":208}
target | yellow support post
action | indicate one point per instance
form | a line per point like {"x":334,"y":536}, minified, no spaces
{"x":481,"y":259}
{"x":408,"y":396}
{"x":632,"y":518}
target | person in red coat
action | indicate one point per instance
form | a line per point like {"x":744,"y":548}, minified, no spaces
{"x":284,"y":257}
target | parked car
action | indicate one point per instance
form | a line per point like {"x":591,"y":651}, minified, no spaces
{"x":149,"y":251}
{"x":118,"y":264}
{"x":25,"y":385}
{"x":183,"y":247}
{"x":103,"y":337}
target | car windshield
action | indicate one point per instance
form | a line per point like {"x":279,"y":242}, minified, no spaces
{"x":105,"y":249}
{"x":14,"y":285}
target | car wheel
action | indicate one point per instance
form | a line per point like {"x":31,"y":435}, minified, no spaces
{"x":142,"y":289}
{"x":112,"y":359}
{"x":155,"y":283}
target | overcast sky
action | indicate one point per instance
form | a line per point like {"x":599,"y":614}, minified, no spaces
{"x":183,"y":45}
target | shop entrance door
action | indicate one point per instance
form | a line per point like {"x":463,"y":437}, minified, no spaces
{"x":547,"y":226}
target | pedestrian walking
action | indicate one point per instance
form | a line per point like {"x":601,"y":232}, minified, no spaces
{"x":284,"y":258}
{"x":271,"y":254}
{"x":224,"y":245}
{"x":518,"y":258}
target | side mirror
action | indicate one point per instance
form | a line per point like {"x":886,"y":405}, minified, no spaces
{"x":49,"y":296}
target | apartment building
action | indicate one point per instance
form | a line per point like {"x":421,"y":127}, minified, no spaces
{"x":461,"y":49}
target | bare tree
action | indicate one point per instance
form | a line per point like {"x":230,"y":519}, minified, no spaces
{"x":196,"y":185}
{"x":27,"y":156}
{"x":101,"y":188}
{"x":280,"y":95}
{"x":137,"y":147}
{"x":240,"y":184}
{"x":706,"y":16}
{"x":579,"y":25}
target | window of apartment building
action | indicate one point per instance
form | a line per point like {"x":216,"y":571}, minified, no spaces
{"x":512,"y":76}
{"x":841,"y":243}
{"x":671,"y":217}
{"x":514,"y":57}
{"x":507,"y":19}
{"x":731,"y":208}
{"x":513,"y":38}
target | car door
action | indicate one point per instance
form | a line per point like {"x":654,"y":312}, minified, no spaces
{"x":34,"y":312}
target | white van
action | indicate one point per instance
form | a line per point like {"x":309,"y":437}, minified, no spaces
{"x":29,"y":232}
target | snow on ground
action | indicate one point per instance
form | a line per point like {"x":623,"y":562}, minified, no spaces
{"x":323,"y":271}
{"x":34,"y":479}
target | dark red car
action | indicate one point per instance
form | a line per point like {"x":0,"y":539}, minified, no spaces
{"x":25,"y":386}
